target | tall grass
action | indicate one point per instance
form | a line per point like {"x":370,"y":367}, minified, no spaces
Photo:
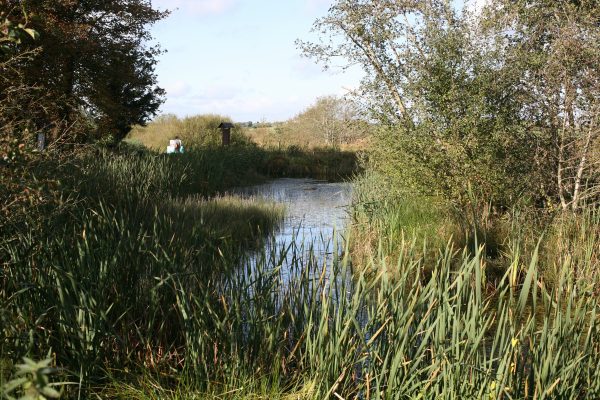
{"x":79,"y":282}
{"x":324,"y":164}
{"x":311,"y":328}
{"x":573,"y":239}
{"x":385,"y":220}
{"x":143,"y":293}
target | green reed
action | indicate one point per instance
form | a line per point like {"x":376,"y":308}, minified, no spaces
{"x":412,"y":334}
{"x":145,"y":296}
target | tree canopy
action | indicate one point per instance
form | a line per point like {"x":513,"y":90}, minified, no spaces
{"x":89,"y":73}
{"x":330,"y":121}
{"x":502,"y":100}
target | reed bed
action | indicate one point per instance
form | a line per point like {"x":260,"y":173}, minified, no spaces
{"x":143,"y":293}
{"x":310,"y":327}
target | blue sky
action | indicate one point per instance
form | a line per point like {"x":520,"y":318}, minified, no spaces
{"x":238,"y":58}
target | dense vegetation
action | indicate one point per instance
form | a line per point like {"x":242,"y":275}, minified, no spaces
{"x":288,"y":159}
{"x":84,"y":273}
{"x":84,"y":72}
{"x":502,"y":101}
{"x":487,"y":119}
{"x":473,"y":262}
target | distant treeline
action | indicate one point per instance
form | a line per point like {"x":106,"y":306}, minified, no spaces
{"x":330,"y":122}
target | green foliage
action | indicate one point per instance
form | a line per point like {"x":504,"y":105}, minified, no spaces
{"x":386,"y":221}
{"x":554,"y":62}
{"x":12,"y":33}
{"x":499,"y":103}
{"x":406,"y":333}
{"x":201,"y":137}
{"x":325,"y":164}
{"x":195,"y":132}
{"x":131,"y":278}
{"x":115,"y":226}
{"x":31,"y":382}
{"x":91,"y":57}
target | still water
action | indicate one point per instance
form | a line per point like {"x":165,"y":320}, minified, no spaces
{"x":316,"y":216}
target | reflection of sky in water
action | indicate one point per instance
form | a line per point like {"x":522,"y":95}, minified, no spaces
{"x":316,"y":212}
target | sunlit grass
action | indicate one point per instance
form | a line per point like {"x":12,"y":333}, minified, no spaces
{"x":147,"y":293}
{"x":310,"y":327}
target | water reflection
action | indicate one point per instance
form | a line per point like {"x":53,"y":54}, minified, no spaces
{"x":315,"y":219}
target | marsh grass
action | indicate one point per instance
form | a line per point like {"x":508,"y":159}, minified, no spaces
{"x":146,"y":293}
{"x":571,"y":239}
{"x":86,"y":281}
{"x":386,"y":221}
{"x":310,"y":329}
{"x":321,"y":163}
{"x":287,"y":158}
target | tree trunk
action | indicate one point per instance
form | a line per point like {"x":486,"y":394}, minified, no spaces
{"x":582,"y":164}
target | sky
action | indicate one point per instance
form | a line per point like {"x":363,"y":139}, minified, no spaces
{"x":238,"y":58}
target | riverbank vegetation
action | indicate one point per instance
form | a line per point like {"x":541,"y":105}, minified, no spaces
{"x":309,"y":332}
{"x":471,"y":269}
{"x":86,"y":257}
{"x":487,"y":124}
{"x":201,"y":135}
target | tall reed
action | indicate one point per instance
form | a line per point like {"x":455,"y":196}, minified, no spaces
{"x":124,"y":292}
{"x":309,"y":327}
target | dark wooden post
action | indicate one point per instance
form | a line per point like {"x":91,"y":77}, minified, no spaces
{"x":226,"y":132}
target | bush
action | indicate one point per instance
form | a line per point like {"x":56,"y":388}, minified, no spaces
{"x":195,"y":132}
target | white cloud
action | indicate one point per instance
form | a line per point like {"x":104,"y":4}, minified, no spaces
{"x":198,"y":7}
{"x":177,"y":89}
{"x":219,"y":92}
{"x":305,"y":68}
{"x":244,"y":107}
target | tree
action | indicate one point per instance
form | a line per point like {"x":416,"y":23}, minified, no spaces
{"x":449,"y":121}
{"x":94,"y":67}
{"x":369,"y":33}
{"x":506,"y":101}
{"x":330,"y":121}
{"x":554,"y":47}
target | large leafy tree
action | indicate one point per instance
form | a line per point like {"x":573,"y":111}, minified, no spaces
{"x":447,"y":115}
{"x":554,"y":48}
{"x":94,"y":67}
{"x":505,"y":101}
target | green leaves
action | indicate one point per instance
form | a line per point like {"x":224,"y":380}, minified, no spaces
{"x":104,"y":62}
{"x":33,"y":33}
{"x":31,"y":382}
{"x":511,"y":111}
{"x":14,"y":34}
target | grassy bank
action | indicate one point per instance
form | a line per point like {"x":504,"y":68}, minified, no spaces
{"x":385,"y":222}
{"x":311,"y":332}
{"x":323,"y":164}
{"x":247,"y":164}
{"x":283,"y":158}
{"x":90,"y":241}
{"x":136,"y":287}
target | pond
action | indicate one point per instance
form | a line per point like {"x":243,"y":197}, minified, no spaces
{"x":316,"y":216}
